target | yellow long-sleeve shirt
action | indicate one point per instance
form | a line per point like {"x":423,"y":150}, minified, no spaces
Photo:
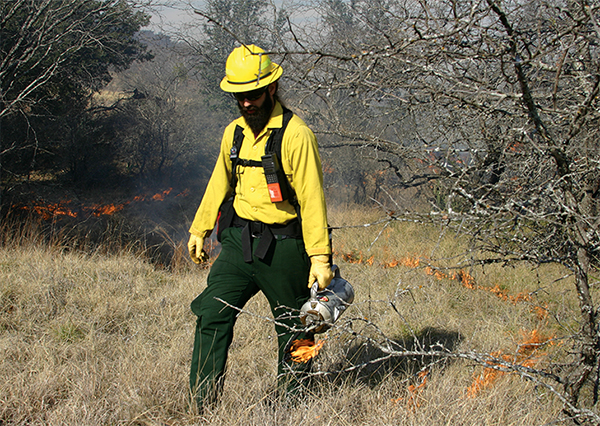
{"x":302,"y":166}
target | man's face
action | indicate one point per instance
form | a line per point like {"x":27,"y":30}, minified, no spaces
{"x":256,"y":106}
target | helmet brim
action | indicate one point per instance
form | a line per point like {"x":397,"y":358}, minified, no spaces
{"x":230,"y":87}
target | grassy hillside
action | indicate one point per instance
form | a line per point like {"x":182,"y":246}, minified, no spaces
{"x":96,"y":339}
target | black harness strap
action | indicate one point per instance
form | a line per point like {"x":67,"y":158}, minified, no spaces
{"x":273,"y":145}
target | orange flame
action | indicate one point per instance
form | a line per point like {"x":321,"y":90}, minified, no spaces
{"x":161,"y":196}
{"x":414,"y":391}
{"x":524,"y":356}
{"x":52,"y":211}
{"x":302,"y":350}
{"x":436,"y":273}
{"x":185,"y":193}
{"x":467,"y":280}
{"x":541,"y":312}
{"x":358,"y":258}
{"x":99,"y":210}
{"x":409,"y":262}
{"x":327,"y":168}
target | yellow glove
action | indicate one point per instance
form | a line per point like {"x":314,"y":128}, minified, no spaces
{"x":320,"y":271}
{"x":196,"y":249}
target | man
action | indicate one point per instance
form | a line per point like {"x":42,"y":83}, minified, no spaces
{"x":269,"y":244}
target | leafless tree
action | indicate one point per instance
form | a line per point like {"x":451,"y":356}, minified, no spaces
{"x":164,"y":124}
{"x":496,"y":103}
{"x":502,"y":98}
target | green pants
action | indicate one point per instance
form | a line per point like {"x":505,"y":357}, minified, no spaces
{"x":282,"y":276}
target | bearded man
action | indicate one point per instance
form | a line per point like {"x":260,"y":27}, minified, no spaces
{"x":266,"y":198}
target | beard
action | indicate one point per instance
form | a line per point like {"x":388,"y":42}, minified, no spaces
{"x":257,"y":118}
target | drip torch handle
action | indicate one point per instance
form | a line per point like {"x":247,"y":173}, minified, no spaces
{"x":336,"y":271}
{"x":313,"y":290}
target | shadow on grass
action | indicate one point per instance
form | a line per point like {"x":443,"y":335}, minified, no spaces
{"x":367,"y":363}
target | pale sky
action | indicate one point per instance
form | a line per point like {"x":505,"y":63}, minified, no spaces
{"x":181,"y":12}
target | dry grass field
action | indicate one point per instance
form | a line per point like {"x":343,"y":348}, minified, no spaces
{"x":97,"y":339}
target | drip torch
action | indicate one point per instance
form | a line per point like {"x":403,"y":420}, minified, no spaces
{"x":324,"y":307}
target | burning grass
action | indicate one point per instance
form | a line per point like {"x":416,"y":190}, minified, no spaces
{"x":49,"y":211}
{"x":92,"y":338}
{"x":148,"y":224}
{"x":304,"y":350}
{"x":529,"y":353}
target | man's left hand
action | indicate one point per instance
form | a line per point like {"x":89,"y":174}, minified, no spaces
{"x":320,"y":271}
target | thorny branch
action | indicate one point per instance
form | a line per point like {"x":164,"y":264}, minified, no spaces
{"x":436,"y":353}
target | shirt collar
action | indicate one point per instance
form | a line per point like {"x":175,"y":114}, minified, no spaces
{"x":276,"y":120}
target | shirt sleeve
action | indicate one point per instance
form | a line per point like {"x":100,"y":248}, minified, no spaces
{"x":306,"y":177}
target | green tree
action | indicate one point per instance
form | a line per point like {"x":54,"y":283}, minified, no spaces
{"x":55,"y":55}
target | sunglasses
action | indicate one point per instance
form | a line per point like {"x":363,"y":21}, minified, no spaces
{"x":252,"y":95}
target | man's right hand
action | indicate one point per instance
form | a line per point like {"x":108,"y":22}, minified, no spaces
{"x":320,"y":271}
{"x":196,"y":249}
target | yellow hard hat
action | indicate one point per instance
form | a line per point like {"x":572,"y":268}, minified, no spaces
{"x":248,"y":67}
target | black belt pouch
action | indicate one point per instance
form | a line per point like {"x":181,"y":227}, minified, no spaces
{"x":225,"y":218}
